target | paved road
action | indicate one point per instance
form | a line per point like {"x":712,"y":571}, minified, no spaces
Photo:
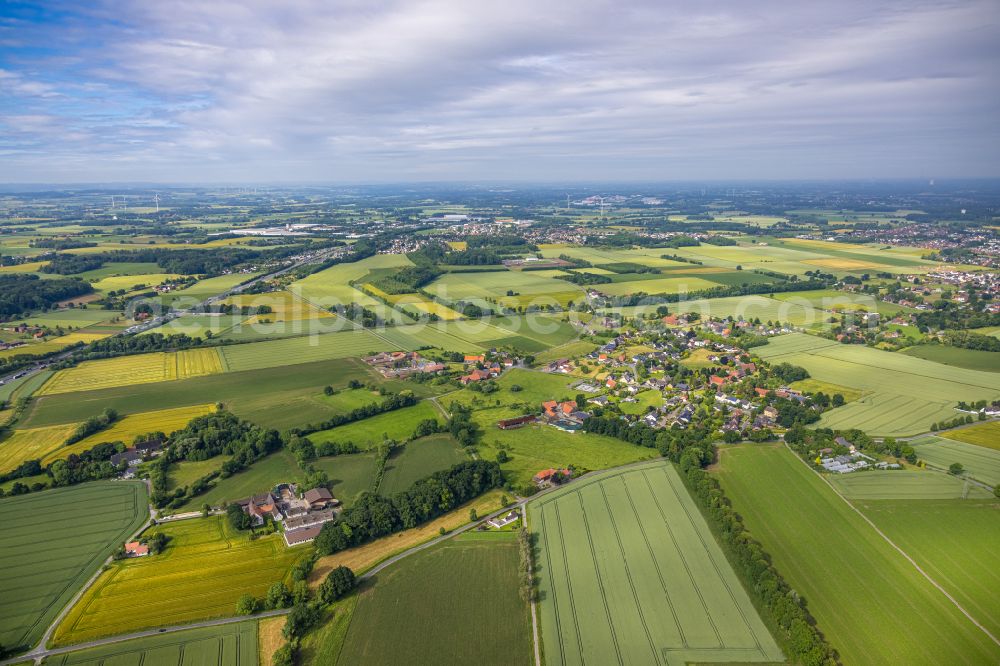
{"x":38,"y":655}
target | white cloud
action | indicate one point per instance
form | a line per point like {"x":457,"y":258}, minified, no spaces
{"x":453,"y":89}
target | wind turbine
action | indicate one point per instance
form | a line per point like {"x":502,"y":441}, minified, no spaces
{"x":156,"y":198}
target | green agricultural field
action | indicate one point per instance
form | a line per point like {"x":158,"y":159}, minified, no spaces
{"x":630,"y":573}
{"x":816,"y":386}
{"x":663,"y":285}
{"x":204,"y":289}
{"x":280,"y":397}
{"x":954,"y":541}
{"x":748,"y":307}
{"x":903,"y":484}
{"x":306,"y":349}
{"x":468,"y":584}
{"x":418,"y":459}
{"x":903,"y":394}
{"x":114,"y":268}
{"x":974,"y":359}
{"x":529,"y":287}
{"x":980,"y":462}
{"x":855,"y":583}
{"x":981,"y":434}
{"x":205,"y":569}
{"x":841,"y":301}
{"x":227,"y":645}
{"x":331,"y":287}
{"x":51,"y":548}
{"x":198,"y":326}
{"x":367,"y":433}
{"x":349,"y":474}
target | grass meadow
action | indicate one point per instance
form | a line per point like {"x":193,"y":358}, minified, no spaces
{"x":227,"y":645}
{"x":903,"y":394}
{"x":472,"y":585}
{"x":630,"y":573}
{"x":205,"y":569}
{"x":53,"y":542}
{"x":854,"y":582}
{"x":368,"y":433}
{"x":418,"y":459}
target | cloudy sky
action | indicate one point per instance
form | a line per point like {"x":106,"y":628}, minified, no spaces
{"x":366,"y":90}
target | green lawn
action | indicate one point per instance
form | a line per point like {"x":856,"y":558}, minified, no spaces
{"x":185,"y":473}
{"x":51,"y":547}
{"x":630,"y":573}
{"x":367,"y":433}
{"x":456,"y":603}
{"x":418,"y":459}
{"x":903,"y":394}
{"x":954,"y":541}
{"x":871,"y":604}
{"x":206,"y":567}
{"x":227,"y":645}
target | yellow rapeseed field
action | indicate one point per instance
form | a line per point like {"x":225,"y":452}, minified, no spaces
{"x":31,"y":444}
{"x":137,"y":369}
{"x":133,"y":425}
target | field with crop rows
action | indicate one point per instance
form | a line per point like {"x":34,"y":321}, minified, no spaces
{"x":903,"y":394}
{"x":32,"y":444}
{"x":293,"y":351}
{"x":472,"y":585}
{"x":227,"y":645}
{"x":954,"y":541}
{"x":855,"y":583}
{"x":900,"y":484}
{"x":980,"y":462}
{"x":630,"y":573}
{"x":205,"y":569}
{"x":136,"y":369}
{"x":53,"y":542}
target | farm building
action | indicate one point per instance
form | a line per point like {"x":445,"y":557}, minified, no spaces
{"x":319,"y":498}
{"x":516,"y":422}
{"x":549,"y":476}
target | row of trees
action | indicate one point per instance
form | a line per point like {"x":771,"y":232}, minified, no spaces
{"x":93,"y":425}
{"x":391,"y":403}
{"x":373,"y":516}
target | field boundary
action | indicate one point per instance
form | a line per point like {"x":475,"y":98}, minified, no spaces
{"x":900,"y":551}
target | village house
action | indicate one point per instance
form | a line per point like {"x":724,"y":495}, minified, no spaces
{"x":504,"y":520}
{"x":136,"y":549}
